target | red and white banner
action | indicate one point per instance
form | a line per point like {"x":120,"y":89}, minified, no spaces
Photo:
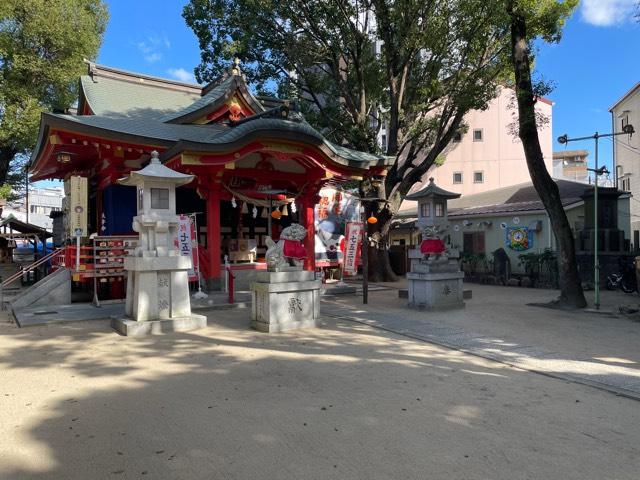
{"x":187,"y":244}
{"x":352,"y":243}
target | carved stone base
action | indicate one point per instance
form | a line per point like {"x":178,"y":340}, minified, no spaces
{"x":285,"y":301}
{"x":435,"y":291}
{"x":132,"y":328}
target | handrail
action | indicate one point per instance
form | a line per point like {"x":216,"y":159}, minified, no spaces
{"x":34,"y":265}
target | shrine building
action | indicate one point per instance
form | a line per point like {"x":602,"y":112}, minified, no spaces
{"x":258,"y":164}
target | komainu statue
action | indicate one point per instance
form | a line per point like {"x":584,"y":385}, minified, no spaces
{"x":432,"y":246}
{"x":289,"y":251}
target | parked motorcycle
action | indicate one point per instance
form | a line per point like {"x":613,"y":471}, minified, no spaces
{"x":625,"y":280}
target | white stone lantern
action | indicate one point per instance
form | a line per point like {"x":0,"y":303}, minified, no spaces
{"x":432,"y":205}
{"x":157,"y":275}
{"x":435,"y":279}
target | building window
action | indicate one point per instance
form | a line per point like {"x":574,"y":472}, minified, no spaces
{"x":439,"y":206}
{"x":478,"y":177}
{"x":457,"y":177}
{"x":457,"y":137}
{"x":425,"y":210}
{"x":473,"y":242}
{"x":160,"y":198}
{"x":625,"y":121}
{"x":626,"y":184}
{"x":383,"y":142}
{"x":477,"y":135}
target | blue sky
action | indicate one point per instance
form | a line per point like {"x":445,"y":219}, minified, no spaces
{"x":595,"y":63}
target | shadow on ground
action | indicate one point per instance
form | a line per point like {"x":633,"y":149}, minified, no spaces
{"x":342,"y":401}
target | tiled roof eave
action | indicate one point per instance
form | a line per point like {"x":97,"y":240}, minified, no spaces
{"x":507,"y":209}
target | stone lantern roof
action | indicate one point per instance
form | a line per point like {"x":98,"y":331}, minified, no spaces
{"x":432,"y":190}
{"x":156,"y":171}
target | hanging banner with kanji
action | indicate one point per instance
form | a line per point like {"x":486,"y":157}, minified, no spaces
{"x":334,"y":209}
{"x":187,"y":244}
{"x":76,"y":189}
{"x":353,"y":240}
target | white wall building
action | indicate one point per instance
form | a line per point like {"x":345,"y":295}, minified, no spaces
{"x":626,"y":153}
{"x":42,"y":201}
{"x":490,"y":155}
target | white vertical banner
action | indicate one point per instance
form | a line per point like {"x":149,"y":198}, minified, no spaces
{"x":353,"y":232}
{"x":186,"y":241}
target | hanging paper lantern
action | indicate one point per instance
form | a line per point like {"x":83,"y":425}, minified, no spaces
{"x":245,"y":208}
{"x":264,"y":213}
{"x":276,"y":214}
{"x":285,"y":211}
{"x":254,"y":212}
{"x":233,"y":202}
{"x":372,"y":220}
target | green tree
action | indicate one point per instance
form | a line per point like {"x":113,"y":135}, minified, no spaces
{"x":531,"y":20}
{"x":42,"y":47}
{"x":418,"y":66}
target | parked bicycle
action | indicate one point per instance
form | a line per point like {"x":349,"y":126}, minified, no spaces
{"x":626,"y":279}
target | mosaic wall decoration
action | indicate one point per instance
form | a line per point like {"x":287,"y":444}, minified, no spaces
{"x":519,"y":238}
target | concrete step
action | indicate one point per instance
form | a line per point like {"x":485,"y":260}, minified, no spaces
{"x":54,"y":289}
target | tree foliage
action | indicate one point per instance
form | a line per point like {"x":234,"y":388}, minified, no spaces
{"x":415,"y":66}
{"x":421,"y":64}
{"x":42,"y":47}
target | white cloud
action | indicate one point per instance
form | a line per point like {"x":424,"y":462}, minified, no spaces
{"x":182,"y":75}
{"x":152,"y":46}
{"x":605,"y":13}
{"x":153,"y":57}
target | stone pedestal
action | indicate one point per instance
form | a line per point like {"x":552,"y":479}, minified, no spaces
{"x":285,"y":300}
{"x":434,"y":284}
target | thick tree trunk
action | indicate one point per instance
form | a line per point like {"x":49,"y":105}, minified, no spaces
{"x":571,"y":294}
{"x":379,"y":262}
{"x":7,"y":153}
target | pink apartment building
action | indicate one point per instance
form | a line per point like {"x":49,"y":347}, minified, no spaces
{"x":489,"y":155}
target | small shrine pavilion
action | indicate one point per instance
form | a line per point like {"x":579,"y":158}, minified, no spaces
{"x":258,"y":165}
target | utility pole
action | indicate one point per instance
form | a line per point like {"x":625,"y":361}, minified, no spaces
{"x":26,"y":181}
{"x":564,"y":139}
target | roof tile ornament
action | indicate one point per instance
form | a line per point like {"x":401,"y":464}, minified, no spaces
{"x":235,"y":70}
{"x":155,"y":169}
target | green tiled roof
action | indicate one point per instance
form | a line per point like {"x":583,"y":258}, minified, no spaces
{"x":210,"y":97}
{"x":147,"y":128}
{"x":132,"y":107}
{"x":432,"y":190}
{"x":127,"y":99}
{"x":215,"y":97}
{"x":213,"y":134}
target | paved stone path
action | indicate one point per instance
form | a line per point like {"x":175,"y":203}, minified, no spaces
{"x":617,"y":379}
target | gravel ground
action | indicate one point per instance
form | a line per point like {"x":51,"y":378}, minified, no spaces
{"x":343,"y":401}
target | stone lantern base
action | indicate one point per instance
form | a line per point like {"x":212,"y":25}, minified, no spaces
{"x":285,"y":300}
{"x":158,"y":298}
{"x":434,"y":284}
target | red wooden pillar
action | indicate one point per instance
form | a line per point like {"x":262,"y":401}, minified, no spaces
{"x":213,"y":236}
{"x":307,"y":220}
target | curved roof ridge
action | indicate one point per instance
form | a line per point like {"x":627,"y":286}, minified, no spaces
{"x":98,"y":70}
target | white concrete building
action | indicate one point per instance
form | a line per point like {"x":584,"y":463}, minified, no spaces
{"x":42,"y":201}
{"x":626,"y":153}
